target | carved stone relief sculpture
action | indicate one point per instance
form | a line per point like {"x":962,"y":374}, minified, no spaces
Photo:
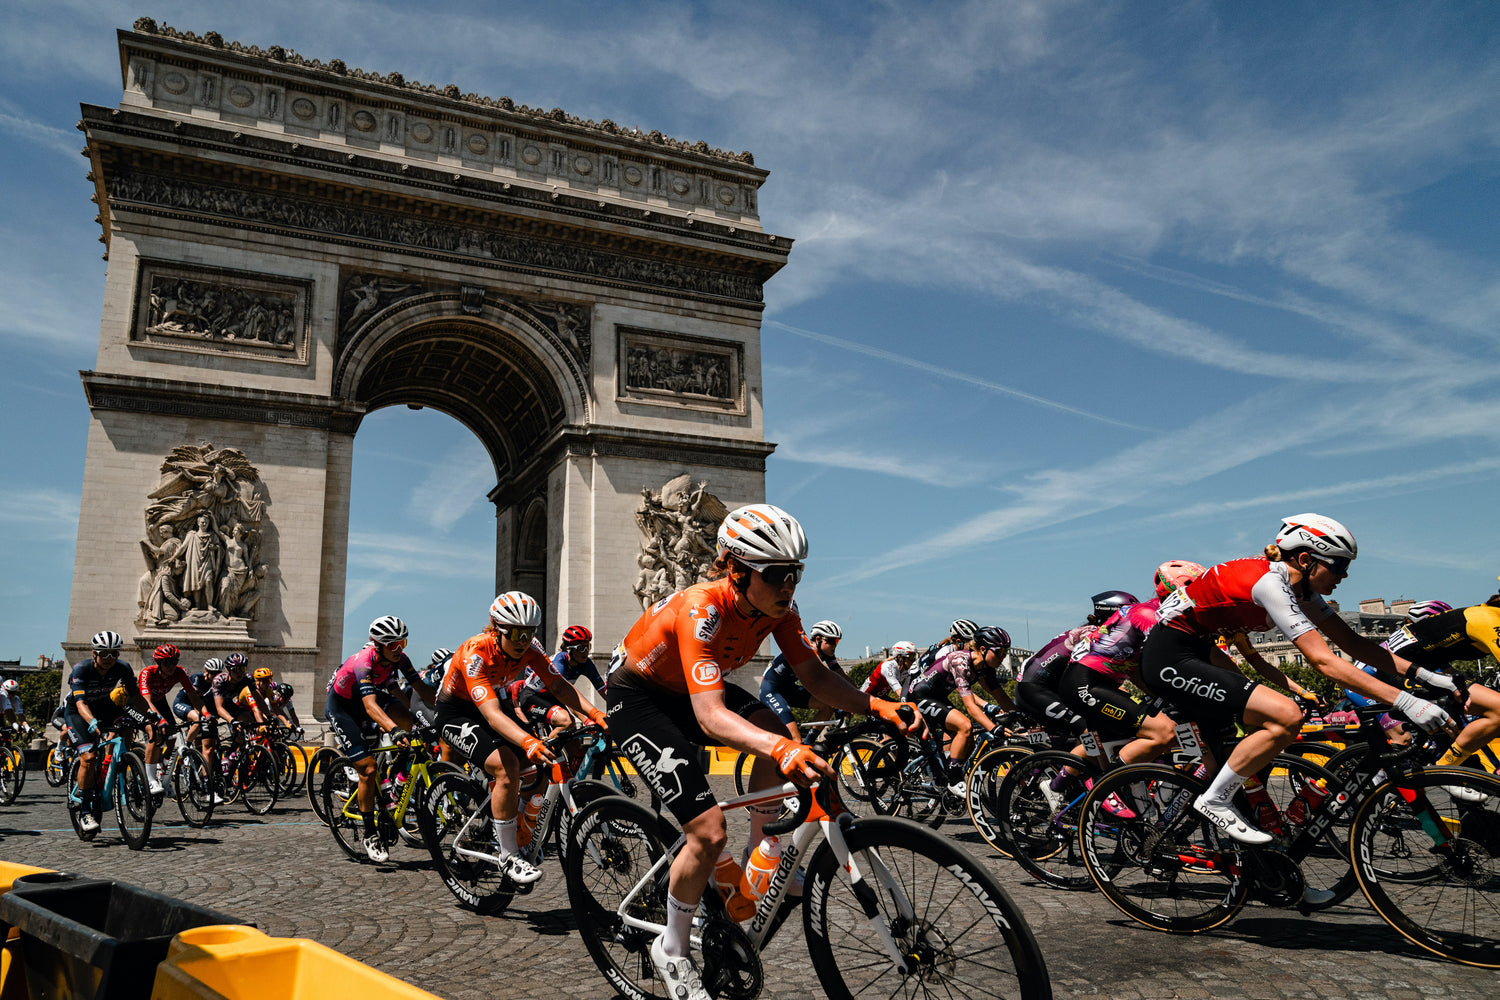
{"x":685,"y":371}
{"x":222,"y":311}
{"x":203,"y":536}
{"x":679,"y":526}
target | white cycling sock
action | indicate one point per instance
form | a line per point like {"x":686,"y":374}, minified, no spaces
{"x":759,"y":817}
{"x":505,"y":835}
{"x":151,"y":770}
{"x":1224,"y":785}
{"x":674,"y":943}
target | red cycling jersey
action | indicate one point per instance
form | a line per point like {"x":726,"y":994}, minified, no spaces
{"x":479,"y":670}
{"x":1243,"y":595}
{"x":156,"y":680}
{"x":687,"y":642}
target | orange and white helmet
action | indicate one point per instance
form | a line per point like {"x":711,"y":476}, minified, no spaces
{"x":904,"y":648}
{"x":514,"y":609}
{"x":1176,"y":573}
{"x":760,"y":534}
{"x":1324,"y":537}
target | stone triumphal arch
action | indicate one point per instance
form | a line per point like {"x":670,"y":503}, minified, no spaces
{"x":293,"y":244}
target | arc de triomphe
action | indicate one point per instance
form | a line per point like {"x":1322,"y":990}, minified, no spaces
{"x":294,"y":244}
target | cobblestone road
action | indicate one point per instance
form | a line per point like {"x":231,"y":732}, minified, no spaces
{"x":284,"y":872}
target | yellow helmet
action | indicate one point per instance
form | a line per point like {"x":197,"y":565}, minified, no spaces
{"x":262,"y":673}
{"x":120,"y":695}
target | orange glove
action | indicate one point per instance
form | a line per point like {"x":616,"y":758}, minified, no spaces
{"x":598,"y":718}
{"x":537,"y":750}
{"x":792,"y":758}
{"x":888,"y":710}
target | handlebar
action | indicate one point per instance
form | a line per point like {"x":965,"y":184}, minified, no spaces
{"x":827,"y":795}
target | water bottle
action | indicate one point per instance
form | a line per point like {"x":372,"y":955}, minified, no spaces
{"x":1267,"y":817}
{"x":727,"y":877}
{"x":1308,"y":798}
{"x":759,"y":868}
{"x":527,"y":820}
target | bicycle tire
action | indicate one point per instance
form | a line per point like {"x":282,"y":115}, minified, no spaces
{"x":258,"y":780}
{"x":919,"y":798}
{"x":410,"y":827}
{"x":960,"y":930}
{"x":344,"y":822}
{"x":10,"y":782}
{"x":1041,"y":824}
{"x":192,"y":788}
{"x":286,"y":769}
{"x":317,"y":768}
{"x":1168,"y":868}
{"x":982,"y":794}
{"x":299,"y":766}
{"x":867,"y":774}
{"x":743,"y":765}
{"x":76,"y":812}
{"x":134,"y":805}
{"x":1448,"y":901}
{"x":55,"y":769}
{"x":612,"y":843}
{"x":1345,"y":763}
{"x":451,"y":802}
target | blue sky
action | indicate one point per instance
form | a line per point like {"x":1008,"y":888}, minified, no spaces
{"x":1077,"y":287}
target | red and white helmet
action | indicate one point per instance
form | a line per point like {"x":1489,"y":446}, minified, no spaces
{"x":1175,"y":573}
{"x":904,"y":648}
{"x":1322,"y":536}
{"x":760,"y":534}
{"x":1426,"y":609}
{"x":514,"y":609}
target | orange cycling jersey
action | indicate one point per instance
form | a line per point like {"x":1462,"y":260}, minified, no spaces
{"x":480,"y":670}
{"x":689,"y":641}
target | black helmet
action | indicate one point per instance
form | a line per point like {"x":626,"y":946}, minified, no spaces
{"x":992,"y":637}
{"x":1109,"y":602}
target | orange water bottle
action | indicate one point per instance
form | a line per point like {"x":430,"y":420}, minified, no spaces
{"x":527,"y":820}
{"x":727,"y":876}
{"x":759,"y":868}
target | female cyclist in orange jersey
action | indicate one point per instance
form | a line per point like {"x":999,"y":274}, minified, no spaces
{"x":667,"y":697}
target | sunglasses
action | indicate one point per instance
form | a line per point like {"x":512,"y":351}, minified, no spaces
{"x":778,"y":576}
{"x":1339,"y":564}
{"x":397,"y":646}
{"x":108,"y":654}
{"x":521,"y":635}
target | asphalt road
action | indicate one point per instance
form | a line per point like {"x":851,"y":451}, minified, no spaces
{"x":284,"y":872}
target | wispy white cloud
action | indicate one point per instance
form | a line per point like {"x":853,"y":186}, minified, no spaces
{"x":396,"y":555}
{"x":43,"y":514}
{"x":925,"y":469}
{"x":455,"y":483}
{"x":65,"y":142}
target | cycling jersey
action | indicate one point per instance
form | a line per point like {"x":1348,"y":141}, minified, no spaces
{"x":92,"y":687}
{"x":480,"y":670}
{"x":1461,"y":634}
{"x":1243,"y":595}
{"x":781,"y":677}
{"x":955,"y":672}
{"x":1046,"y":665}
{"x":1115,"y":650}
{"x":363,"y":674}
{"x":687,"y":642}
{"x":562,"y":666}
{"x":229,"y":688}
{"x":922,"y":664}
{"x":10,"y":704}
{"x":887,"y":673}
{"x":156,"y":680}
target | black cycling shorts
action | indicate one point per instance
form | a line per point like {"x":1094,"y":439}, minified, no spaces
{"x":659,"y":732}
{"x":1099,"y":699}
{"x":463,"y":727}
{"x":105,"y":718}
{"x":1043,"y":704}
{"x":1175,"y":666}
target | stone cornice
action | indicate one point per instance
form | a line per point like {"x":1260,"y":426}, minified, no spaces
{"x":147,"y":34}
{"x":208,"y":401}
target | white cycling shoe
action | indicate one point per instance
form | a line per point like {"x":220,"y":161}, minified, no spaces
{"x":1228,"y":819}
{"x":1316,"y":897}
{"x":1462,"y":794}
{"x":87,"y":823}
{"x":679,"y":974}
{"x":519,"y":870}
{"x":375,"y":848}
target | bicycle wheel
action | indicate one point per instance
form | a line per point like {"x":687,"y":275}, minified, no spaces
{"x":612,"y":844}
{"x":258,"y":779}
{"x":299,"y":769}
{"x":956,"y":928}
{"x":982,"y":795}
{"x":192,"y":788}
{"x":454,"y":803}
{"x":10,"y":780}
{"x":1040,"y":822}
{"x":410,"y":827}
{"x":317,"y":769}
{"x":1325,"y":865}
{"x":286,"y":769}
{"x":743,"y":764}
{"x":55,"y":770}
{"x":868,"y":774}
{"x":340,"y":808}
{"x":75,"y":813}
{"x":613,"y":768}
{"x":134,"y":807}
{"x":920,"y":797}
{"x":1441,"y":891}
{"x":1344,"y":763}
{"x":1168,"y":868}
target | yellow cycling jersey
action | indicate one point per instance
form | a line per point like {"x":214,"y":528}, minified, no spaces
{"x":1460,"y":634}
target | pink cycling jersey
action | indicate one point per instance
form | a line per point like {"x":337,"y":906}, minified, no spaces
{"x":1116,"y":649}
{"x":363,"y":674}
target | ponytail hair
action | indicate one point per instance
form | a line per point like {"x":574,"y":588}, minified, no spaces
{"x":1273,"y":552}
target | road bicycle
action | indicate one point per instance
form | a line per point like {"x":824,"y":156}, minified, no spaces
{"x":400,"y":805}
{"x":122,"y":786}
{"x":1423,"y":844}
{"x":993,"y":761}
{"x":889,"y":907}
{"x":868,"y":756}
{"x":59,"y":761}
{"x":458,"y":819}
{"x":12,"y":768}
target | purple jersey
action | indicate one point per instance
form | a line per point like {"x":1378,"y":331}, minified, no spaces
{"x":1116,"y":650}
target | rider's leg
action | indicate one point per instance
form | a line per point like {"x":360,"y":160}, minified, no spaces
{"x":1153,"y":739}
{"x":1274,"y":721}
{"x":504,"y":767}
{"x":1484,"y":703}
{"x":706,"y":835}
{"x":959,"y":725}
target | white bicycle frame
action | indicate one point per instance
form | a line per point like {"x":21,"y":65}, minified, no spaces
{"x":555,"y":790}
{"x":801,"y":844}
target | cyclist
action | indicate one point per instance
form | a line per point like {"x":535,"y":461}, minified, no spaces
{"x":277,"y":698}
{"x":99,"y":690}
{"x":472,"y":718}
{"x":360,"y":692}
{"x":202,"y":720}
{"x":158,"y":678}
{"x":667,"y":695}
{"x":10,"y":705}
{"x":977,"y":660}
{"x":960,"y":631}
{"x":542,"y":713}
{"x":1037,"y":683}
{"x":1285,"y":588}
{"x":780,"y":691}
{"x":889,"y":676}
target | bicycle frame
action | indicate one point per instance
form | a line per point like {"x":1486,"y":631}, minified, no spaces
{"x":418,"y":773}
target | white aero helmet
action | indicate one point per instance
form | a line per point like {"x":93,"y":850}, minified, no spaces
{"x":1322,"y":536}
{"x":760,"y":534}
{"x":825,"y":629}
{"x":107,"y":640}
{"x":904,"y":648}
{"x":514,"y":609}
{"x":1426,"y":609}
{"x":9,"y":687}
{"x":387,"y":628}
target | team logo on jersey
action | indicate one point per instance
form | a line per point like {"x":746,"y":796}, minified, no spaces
{"x":657,"y":607}
{"x":706,"y":672}
{"x":1113,"y":711}
{"x":657,"y":765}
{"x":708,"y":622}
{"x":479,"y":693}
{"x":473,"y":665}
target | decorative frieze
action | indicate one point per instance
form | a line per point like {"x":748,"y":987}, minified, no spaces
{"x":678,"y":370}
{"x":219,"y":311}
